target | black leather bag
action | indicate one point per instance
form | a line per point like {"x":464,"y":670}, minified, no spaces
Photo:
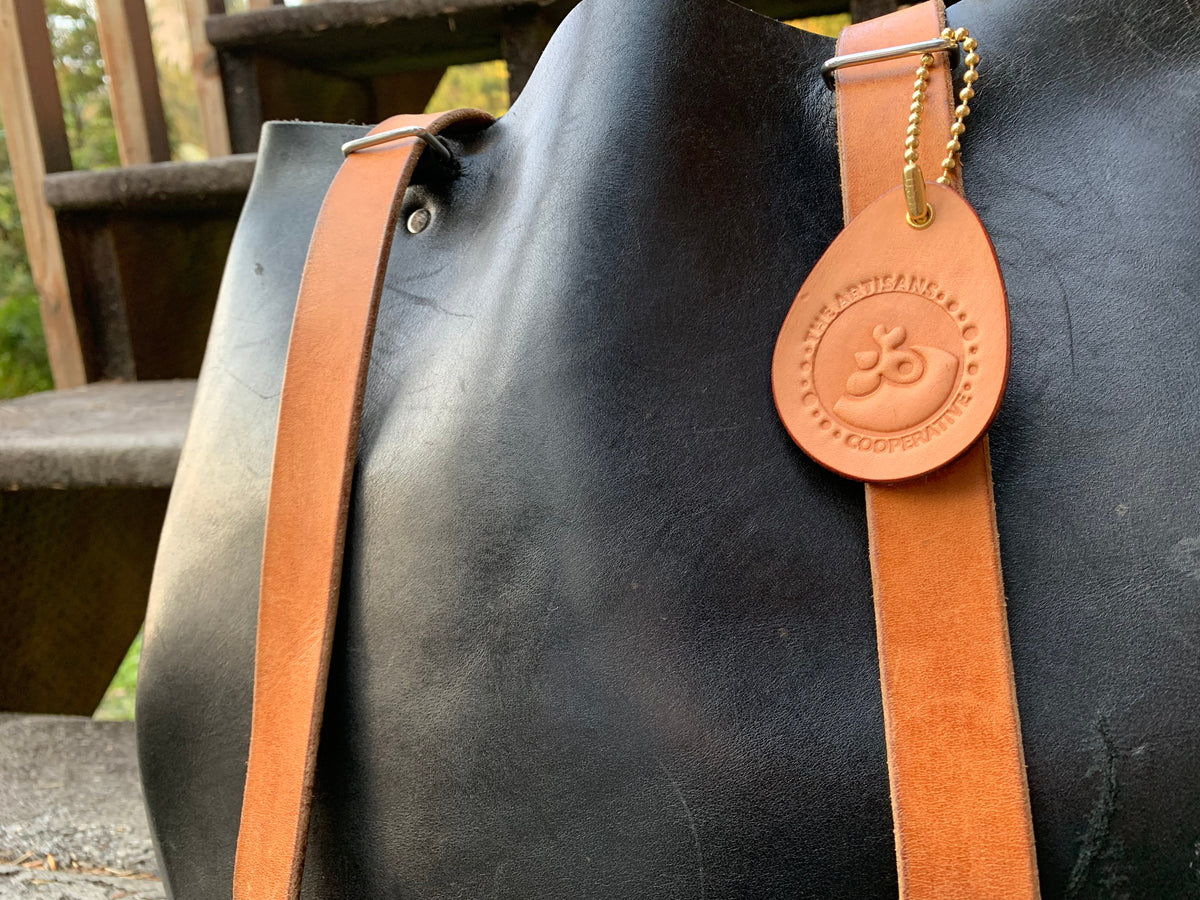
{"x":604,"y":631}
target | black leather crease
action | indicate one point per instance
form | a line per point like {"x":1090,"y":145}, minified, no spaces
{"x":605,"y":633}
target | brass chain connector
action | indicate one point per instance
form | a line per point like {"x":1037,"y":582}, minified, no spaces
{"x":920,"y":212}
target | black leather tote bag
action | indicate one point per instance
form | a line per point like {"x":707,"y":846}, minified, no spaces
{"x":604,"y":631}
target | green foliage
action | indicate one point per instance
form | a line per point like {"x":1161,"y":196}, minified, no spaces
{"x":118,"y":702}
{"x":482,"y":86}
{"x":182,"y":108}
{"x":24,"y":367}
{"x":23,"y":364}
{"x":15,"y":279}
{"x":80,"y":71}
{"x":830,"y":26}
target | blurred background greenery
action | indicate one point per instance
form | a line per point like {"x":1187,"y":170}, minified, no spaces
{"x":23,"y":364}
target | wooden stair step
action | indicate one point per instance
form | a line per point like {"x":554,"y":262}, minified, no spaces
{"x":144,"y":248}
{"x":85,"y":475}
{"x":171,"y":186}
{"x":99,"y":435}
{"x":363,"y":60}
{"x":361,"y":37}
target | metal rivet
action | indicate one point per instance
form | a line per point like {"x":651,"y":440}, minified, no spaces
{"x":419,"y":220}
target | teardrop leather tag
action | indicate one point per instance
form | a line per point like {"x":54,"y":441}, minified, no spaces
{"x":894,"y":356}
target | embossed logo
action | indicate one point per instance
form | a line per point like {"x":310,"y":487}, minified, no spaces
{"x":883,"y":363}
{"x":896,"y":388}
{"x":893,"y":358}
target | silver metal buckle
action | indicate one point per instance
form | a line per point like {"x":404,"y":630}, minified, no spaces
{"x":385,"y":137}
{"x":934,"y":45}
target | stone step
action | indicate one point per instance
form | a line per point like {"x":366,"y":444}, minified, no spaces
{"x":72,"y":819}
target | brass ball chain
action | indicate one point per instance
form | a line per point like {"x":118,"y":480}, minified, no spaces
{"x":920,"y":213}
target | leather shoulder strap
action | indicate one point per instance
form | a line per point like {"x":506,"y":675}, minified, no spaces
{"x":960,"y":801}
{"x":315,"y":447}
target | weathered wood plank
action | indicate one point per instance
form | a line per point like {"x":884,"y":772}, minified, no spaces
{"x":524,"y":35}
{"x":106,"y":435}
{"x":177,"y":187}
{"x":137,"y":108}
{"x":77,"y":577}
{"x":260,"y":88}
{"x":403,"y":92}
{"x":369,"y":41}
{"x":206,"y":75}
{"x":37,"y":143}
{"x":84,"y":481}
{"x":340,"y":31}
{"x":145,"y":248}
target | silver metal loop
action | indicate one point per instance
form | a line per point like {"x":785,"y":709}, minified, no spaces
{"x":934,"y":45}
{"x":385,"y":137}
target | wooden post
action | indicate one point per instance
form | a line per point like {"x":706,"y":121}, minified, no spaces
{"x":403,"y":92}
{"x":37,"y":144}
{"x":128,"y":53}
{"x":861,"y":10}
{"x":206,"y":73}
{"x":524,"y":34}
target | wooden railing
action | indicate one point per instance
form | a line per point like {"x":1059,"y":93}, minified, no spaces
{"x":37,"y":141}
{"x":206,"y":73}
{"x":37,"y":144}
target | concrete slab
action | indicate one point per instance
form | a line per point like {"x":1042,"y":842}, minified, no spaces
{"x":27,"y":884}
{"x":69,"y":790}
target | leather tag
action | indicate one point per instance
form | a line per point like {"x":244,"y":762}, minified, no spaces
{"x":893,"y":359}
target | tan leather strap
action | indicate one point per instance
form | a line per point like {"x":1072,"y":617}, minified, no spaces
{"x":315,"y":447}
{"x":960,"y":800}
